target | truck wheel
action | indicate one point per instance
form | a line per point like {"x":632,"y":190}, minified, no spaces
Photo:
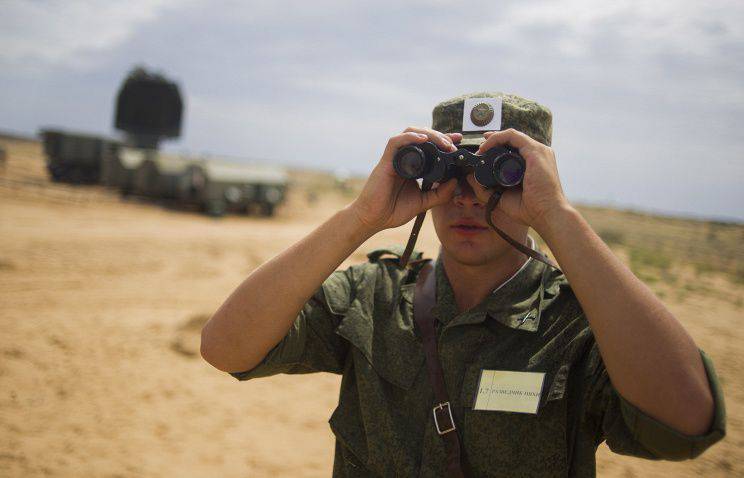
{"x":215,"y":208}
{"x":76,"y":175}
{"x":91,"y":176}
{"x":56,"y":172}
{"x":267,"y":209}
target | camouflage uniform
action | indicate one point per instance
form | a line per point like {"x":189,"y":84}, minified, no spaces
{"x":360,"y":324}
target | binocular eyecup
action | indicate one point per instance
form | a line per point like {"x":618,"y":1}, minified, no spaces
{"x":499,"y":167}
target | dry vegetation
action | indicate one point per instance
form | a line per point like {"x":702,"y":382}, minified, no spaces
{"x":102,"y":301}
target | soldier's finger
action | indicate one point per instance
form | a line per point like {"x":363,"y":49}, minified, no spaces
{"x":509,"y":137}
{"x":455,"y":137}
{"x":404,"y":139}
{"x":440,"y":195}
{"x":442,"y":140}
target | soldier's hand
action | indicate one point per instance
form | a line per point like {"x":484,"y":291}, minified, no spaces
{"x":541,"y":191}
{"x":387,"y":200}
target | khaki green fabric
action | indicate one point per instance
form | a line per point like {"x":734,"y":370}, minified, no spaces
{"x":360,"y":324}
{"x":527,"y":116}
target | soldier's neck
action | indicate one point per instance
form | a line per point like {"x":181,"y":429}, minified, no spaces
{"x":471,"y":284}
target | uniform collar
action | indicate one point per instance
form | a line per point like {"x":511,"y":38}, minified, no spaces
{"x":517,"y":303}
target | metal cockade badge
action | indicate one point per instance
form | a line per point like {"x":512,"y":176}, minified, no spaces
{"x":481,"y":114}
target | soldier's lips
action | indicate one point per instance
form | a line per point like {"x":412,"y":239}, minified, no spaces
{"x":468,"y":228}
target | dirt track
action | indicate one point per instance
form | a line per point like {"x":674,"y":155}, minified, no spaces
{"x":102,"y":302}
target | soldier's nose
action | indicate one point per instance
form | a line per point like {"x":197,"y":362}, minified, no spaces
{"x":464,"y":194}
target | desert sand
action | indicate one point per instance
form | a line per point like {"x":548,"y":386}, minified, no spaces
{"x":102,"y":303}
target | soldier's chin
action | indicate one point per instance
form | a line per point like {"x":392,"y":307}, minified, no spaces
{"x":469,"y":256}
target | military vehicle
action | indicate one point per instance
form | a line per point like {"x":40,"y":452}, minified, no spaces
{"x":218,"y":186}
{"x":118,"y":170}
{"x":149,"y":110}
{"x":159,"y":175}
{"x":76,"y":157}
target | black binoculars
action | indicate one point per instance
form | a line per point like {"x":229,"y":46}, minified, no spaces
{"x":499,"y":167}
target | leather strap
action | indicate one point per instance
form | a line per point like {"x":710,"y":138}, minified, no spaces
{"x":412,"y":240}
{"x":415,"y":231}
{"x":424,"y":300}
{"x":529,"y":252}
{"x":576,"y":396}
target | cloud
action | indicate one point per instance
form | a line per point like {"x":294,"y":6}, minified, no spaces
{"x":64,"y":32}
{"x":636,"y":45}
{"x":645,"y":28}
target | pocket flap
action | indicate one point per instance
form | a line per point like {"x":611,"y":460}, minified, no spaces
{"x":557,"y":388}
{"x":388,"y":345}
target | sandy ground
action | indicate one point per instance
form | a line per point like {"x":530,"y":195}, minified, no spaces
{"x":102,"y":303}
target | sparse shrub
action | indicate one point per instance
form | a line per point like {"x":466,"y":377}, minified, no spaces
{"x":612,"y":237}
{"x":704,"y":268}
{"x":643,"y":258}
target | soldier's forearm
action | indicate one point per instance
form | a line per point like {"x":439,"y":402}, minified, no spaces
{"x":258,"y":314}
{"x":650,"y":358}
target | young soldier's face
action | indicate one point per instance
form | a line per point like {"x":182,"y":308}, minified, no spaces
{"x":463,"y":232}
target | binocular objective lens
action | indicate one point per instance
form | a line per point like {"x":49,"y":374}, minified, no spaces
{"x":410,"y":164}
{"x":510,"y":171}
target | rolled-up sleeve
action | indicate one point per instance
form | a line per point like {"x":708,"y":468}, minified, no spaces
{"x":311,"y":343}
{"x":630,"y":431}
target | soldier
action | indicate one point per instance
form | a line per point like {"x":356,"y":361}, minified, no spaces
{"x":537,"y":367}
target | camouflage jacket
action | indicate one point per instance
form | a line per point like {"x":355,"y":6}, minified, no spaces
{"x":360,"y":324}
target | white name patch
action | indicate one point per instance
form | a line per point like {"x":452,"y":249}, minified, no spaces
{"x":504,"y":391}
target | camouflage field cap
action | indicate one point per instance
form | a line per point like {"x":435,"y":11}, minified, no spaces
{"x":475,"y":113}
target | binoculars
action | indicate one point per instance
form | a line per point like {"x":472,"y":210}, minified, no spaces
{"x":499,"y":167}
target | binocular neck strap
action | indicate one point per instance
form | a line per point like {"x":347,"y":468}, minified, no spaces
{"x":415,"y":231}
{"x":529,"y":252}
{"x":412,"y":239}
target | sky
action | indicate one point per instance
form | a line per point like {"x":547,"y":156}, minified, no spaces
{"x":647,"y":97}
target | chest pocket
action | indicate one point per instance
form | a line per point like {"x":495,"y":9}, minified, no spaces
{"x":385,"y":338}
{"x":527,"y":442}
{"x":387,"y":359}
{"x":376,"y":319}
